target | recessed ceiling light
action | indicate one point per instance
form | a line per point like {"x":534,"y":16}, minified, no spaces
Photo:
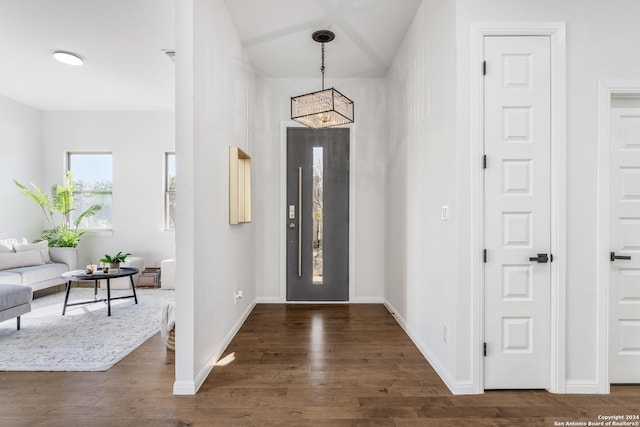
{"x":68,"y":58}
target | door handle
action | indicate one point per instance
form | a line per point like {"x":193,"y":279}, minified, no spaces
{"x":541,"y":258}
{"x":300,"y":221}
{"x":615,"y":257}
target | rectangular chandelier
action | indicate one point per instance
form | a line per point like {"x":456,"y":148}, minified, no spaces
{"x":322,"y":109}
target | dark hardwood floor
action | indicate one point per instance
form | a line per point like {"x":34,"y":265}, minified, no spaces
{"x":295,"y":365}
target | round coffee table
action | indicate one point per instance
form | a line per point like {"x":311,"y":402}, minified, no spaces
{"x":80,"y":275}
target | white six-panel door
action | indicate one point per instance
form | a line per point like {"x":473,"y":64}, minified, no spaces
{"x":517,"y":138}
{"x":624,"y":279}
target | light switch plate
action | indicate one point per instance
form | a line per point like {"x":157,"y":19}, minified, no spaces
{"x":444,"y":212}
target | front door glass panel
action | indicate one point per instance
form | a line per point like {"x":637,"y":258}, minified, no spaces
{"x":317,"y":213}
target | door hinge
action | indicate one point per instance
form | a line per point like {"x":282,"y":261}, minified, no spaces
{"x":484,"y":161}
{"x":484,"y":255}
{"x":484,"y":68}
{"x":484,"y":349}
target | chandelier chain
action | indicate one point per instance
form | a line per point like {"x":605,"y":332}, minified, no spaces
{"x":322,"y":68}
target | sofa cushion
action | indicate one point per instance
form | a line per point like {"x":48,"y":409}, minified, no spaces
{"x":6,"y":245}
{"x":14,"y":295}
{"x":20,"y":259}
{"x":42,"y":246}
{"x":9,"y":277}
{"x":40,"y":273}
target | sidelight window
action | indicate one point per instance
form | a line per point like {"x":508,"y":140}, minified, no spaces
{"x":317,"y":212}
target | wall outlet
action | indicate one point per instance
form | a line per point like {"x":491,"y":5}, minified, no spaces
{"x":444,"y":334}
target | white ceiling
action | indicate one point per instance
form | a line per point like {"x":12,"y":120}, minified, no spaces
{"x":122,"y":40}
{"x":277,"y":35}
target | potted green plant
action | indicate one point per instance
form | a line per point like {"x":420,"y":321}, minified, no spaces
{"x":57,"y":211}
{"x":113,"y":262}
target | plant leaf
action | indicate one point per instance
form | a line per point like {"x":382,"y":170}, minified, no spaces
{"x":36,"y":194}
{"x":90,"y":211}
{"x":62,"y":199}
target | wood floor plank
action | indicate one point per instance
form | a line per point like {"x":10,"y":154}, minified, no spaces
{"x":293,"y":365}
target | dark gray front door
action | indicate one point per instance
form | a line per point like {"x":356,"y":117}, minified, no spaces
{"x":317,"y":214}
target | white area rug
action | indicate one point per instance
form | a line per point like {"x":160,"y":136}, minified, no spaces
{"x":84,"y":339}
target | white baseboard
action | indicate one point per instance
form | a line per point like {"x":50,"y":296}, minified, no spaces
{"x":585,"y":387}
{"x":318,"y":302}
{"x":456,"y":387}
{"x":191,"y":387}
{"x":358,"y":300}
{"x":368,"y":300}
{"x":184,"y":388}
{"x":270,"y":300}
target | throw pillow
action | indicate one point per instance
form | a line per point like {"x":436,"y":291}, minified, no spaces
{"x":20,"y":259}
{"x":6,"y":245}
{"x":42,"y":247}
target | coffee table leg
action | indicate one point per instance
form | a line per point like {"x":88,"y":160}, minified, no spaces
{"x":66,"y":297}
{"x":108,"y":297}
{"x":133,"y":287}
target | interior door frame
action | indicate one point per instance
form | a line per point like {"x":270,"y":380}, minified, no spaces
{"x":606,"y":90}
{"x":556,"y":32}
{"x":282,"y":298}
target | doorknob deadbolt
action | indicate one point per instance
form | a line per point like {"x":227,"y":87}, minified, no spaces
{"x":614,"y":257}
{"x":292,"y":225}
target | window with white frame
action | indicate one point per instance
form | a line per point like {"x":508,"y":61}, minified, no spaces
{"x":169,"y":190}
{"x":92,"y":174}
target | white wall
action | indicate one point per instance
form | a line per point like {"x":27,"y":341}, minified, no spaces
{"x":273,"y":112}
{"x":428,"y":277}
{"x":601,"y":39}
{"x":21,"y":159}
{"x":214,"y":104}
{"x":422,"y":250}
{"x":137,"y":141}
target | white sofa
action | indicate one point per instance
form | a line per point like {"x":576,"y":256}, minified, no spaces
{"x":35,"y":265}
{"x":168,"y":274}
